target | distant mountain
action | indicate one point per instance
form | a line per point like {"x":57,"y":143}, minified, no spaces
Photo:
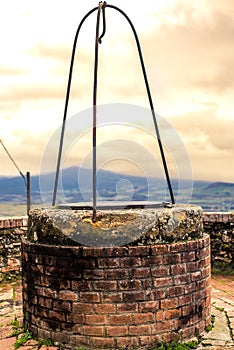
{"x":220,"y":185}
{"x":75,"y":184}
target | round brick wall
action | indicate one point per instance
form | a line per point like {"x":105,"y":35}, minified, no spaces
{"x":118,"y":296}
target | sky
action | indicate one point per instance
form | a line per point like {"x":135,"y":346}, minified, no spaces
{"x":188,"y":50}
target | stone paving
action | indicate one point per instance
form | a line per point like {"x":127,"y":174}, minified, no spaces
{"x":220,"y":337}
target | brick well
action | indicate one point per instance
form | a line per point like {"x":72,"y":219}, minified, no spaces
{"x":116,"y":297}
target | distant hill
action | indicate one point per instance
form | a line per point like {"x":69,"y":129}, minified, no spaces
{"x":220,"y":185}
{"x":113,"y":186}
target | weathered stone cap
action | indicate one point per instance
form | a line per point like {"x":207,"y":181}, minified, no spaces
{"x":115,"y":227}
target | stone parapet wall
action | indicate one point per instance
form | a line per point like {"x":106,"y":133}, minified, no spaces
{"x":11,"y":232}
{"x":116,"y":296}
{"x":220,"y":227}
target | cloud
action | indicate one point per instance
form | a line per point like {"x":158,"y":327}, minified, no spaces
{"x":209,"y":142}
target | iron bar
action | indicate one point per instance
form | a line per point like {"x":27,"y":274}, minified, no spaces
{"x":150,"y":102}
{"x":66,"y":104}
{"x":98,"y":41}
{"x":28,"y":191}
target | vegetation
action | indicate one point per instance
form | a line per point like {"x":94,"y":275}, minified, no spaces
{"x":23,"y":339}
{"x":17,"y":328}
{"x":175,"y":346}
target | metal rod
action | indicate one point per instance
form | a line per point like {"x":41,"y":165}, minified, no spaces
{"x":28,"y":192}
{"x":97,"y":41}
{"x":66,"y":105}
{"x":150,"y":102}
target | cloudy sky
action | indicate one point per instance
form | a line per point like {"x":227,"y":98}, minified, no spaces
{"x":188,"y":48}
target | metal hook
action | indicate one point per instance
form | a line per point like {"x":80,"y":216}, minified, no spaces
{"x":102,"y":5}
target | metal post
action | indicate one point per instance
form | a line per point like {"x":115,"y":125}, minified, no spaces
{"x":28,"y":191}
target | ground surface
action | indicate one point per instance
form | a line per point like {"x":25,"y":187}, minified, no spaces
{"x":220,"y":337}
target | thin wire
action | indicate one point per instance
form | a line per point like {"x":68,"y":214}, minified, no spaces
{"x":11,"y":158}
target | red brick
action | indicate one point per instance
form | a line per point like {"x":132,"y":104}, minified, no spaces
{"x":68,"y":295}
{"x":170,"y":259}
{"x":140,"y":330}
{"x":108,"y":262}
{"x":120,"y":319}
{"x":162,"y":326}
{"x":160,"y":315}
{"x":147,"y":283}
{"x":129,"y":285}
{"x":149,"y":340}
{"x":105,"y":285}
{"x":95,"y":319}
{"x":90,"y":297}
{"x":173,"y":313}
{"x":155,"y":294}
{"x":195,"y":276}
{"x":168,"y":303}
{"x":116,"y":274}
{"x":82,"y":307}
{"x":188,"y":332}
{"x":192,"y":266}
{"x":149,"y":306}
{"x":174,"y":291}
{"x":188,"y":310}
{"x":111,"y":297}
{"x":202,"y":284}
{"x":130,"y":262}
{"x":183,"y":279}
{"x":133,"y":296}
{"x":206,"y":271}
{"x":160,"y":249}
{"x":103,"y":342}
{"x":61,"y":305}
{"x":192,"y":245}
{"x":57,"y":316}
{"x":45,"y":302}
{"x":188,"y":256}
{"x":127,"y":307}
{"x":80,"y":340}
{"x":39,"y":311}
{"x":47,"y":292}
{"x":127,"y":342}
{"x":81,"y":286}
{"x":75,"y":318}
{"x":197,"y":296}
{"x":178,"y":269}
{"x":104,"y":308}
{"x":189,"y":288}
{"x":116,"y":331}
{"x":93,"y":330}
{"x":144,"y":317}
{"x":93,"y":274}
{"x":160,"y":271}
{"x":178,"y":247}
{"x":185,"y":300}
{"x":143,"y":272}
{"x":204,"y":252}
{"x":151,"y":260}
{"x":164,"y":281}
{"x":139,"y":251}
